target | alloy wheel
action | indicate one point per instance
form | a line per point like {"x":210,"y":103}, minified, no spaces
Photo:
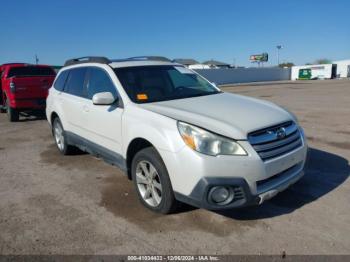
{"x":58,"y":132}
{"x":148,"y":183}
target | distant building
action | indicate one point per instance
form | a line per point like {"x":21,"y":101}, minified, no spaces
{"x":343,"y":68}
{"x":216,"y":64}
{"x":186,"y":61}
{"x":323,"y":71}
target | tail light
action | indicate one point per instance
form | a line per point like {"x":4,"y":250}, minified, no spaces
{"x":12,"y":87}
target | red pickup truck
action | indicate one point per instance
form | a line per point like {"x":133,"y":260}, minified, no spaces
{"x":24,"y":87}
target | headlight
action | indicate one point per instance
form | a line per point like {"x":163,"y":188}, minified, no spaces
{"x":208,"y":143}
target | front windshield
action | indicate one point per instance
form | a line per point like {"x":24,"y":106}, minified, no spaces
{"x":145,"y":84}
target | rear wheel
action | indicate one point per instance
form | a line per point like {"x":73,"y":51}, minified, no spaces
{"x":2,"y":104}
{"x":60,"y":137}
{"x":152,"y":182}
{"x":12,"y":113}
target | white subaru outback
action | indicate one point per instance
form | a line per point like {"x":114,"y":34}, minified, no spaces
{"x":176,"y":135}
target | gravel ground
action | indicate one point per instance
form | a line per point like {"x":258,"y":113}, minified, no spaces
{"x":53,"y":204}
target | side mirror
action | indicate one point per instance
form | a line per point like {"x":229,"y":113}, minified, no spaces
{"x":104,"y":98}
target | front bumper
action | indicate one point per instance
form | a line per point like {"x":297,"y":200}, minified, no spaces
{"x":28,"y":103}
{"x":193,"y":174}
{"x":200,"y":197}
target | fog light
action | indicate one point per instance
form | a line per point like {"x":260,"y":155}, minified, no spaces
{"x":221,"y":195}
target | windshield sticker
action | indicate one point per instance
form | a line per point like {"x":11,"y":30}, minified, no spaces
{"x":142,"y":97}
{"x":183,"y":70}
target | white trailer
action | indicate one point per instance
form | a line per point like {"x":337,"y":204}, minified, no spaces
{"x":343,"y":68}
{"x":317,"y":71}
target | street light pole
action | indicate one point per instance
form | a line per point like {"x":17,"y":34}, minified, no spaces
{"x":279,"y":47}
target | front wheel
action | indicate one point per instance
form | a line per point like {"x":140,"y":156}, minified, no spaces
{"x":152,"y":182}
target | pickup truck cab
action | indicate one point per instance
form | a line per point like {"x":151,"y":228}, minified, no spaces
{"x":24,"y":87}
{"x":177,"y":136}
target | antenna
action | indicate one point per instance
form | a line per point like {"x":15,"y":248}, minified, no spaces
{"x":36,"y":59}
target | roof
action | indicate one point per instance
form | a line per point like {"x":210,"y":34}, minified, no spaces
{"x":125,"y":63}
{"x":14,"y":63}
{"x":346,"y":61}
{"x":132,"y":61}
{"x":153,"y":58}
{"x":129,"y":63}
{"x":215,"y":62}
{"x":186,"y":61}
{"x":23,"y":64}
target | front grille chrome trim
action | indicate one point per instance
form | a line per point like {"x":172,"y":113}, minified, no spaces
{"x":266,"y":143}
{"x":278,"y":143}
{"x":280,"y":151}
{"x":265,"y":136}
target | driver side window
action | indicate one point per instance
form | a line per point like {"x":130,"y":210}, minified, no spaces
{"x":98,"y":82}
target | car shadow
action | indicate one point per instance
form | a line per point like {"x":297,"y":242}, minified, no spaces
{"x":324,"y":172}
{"x":32,"y":116}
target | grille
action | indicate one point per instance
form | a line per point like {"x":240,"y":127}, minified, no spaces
{"x":276,"y":140}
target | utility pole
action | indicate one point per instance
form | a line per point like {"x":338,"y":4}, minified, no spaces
{"x":36,"y":59}
{"x":279,"y":47}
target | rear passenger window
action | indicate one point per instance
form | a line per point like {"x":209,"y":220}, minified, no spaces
{"x":61,"y":80}
{"x":75,"y":82}
{"x":99,"y":81}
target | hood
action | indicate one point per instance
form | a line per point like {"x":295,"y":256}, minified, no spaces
{"x":227,"y":114}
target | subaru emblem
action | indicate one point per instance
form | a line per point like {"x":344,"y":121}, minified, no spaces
{"x":281,"y":133}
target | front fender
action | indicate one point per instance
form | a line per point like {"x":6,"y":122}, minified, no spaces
{"x":159,"y":130}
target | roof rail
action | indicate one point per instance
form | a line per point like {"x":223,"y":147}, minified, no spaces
{"x":87,"y":59}
{"x":151,"y":58}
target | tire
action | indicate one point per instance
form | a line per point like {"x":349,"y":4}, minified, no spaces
{"x":152,"y":183}
{"x":12,"y":114}
{"x":60,"y":137}
{"x":2,"y":104}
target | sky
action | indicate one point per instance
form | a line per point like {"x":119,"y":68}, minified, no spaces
{"x":229,"y":31}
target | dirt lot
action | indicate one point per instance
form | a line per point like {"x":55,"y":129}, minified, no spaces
{"x":53,"y":204}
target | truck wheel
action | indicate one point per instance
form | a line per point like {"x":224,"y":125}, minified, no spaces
{"x":152,"y":182}
{"x":12,"y":114}
{"x":60,"y":137}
